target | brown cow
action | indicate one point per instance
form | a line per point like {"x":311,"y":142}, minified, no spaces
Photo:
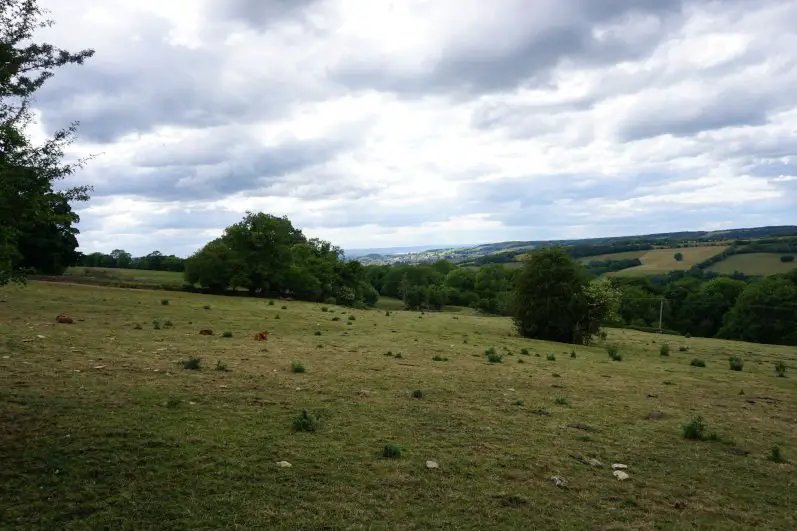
{"x":64,"y":319}
{"x":206,"y":332}
{"x":261,"y":336}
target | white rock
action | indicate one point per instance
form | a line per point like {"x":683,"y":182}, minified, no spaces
{"x":40,"y":336}
{"x":620,"y":475}
{"x":99,"y":366}
{"x":284,"y":464}
{"x":559,"y":481}
{"x":594,"y":462}
{"x":432,"y":464}
{"x":619,"y":466}
{"x":6,"y":357}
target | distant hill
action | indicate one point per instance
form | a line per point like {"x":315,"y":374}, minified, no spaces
{"x":392,"y":251}
{"x":510,"y":251}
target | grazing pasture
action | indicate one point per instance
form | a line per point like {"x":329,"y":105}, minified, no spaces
{"x":753,"y":264}
{"x":129,"y":418}
{"x":658,"y":261}
{"x":141,"y":277}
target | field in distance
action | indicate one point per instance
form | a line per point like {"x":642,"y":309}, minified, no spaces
{"x":103,"y":425}
{"x":658,"y":261}
{"x":753,"y":264}
{"x":142,"y":277}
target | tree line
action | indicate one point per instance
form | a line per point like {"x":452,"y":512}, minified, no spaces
{"x":121,"y":259}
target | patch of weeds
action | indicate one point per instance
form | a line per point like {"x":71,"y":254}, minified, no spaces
{"x":389,"y":353}
{"x":398,"y":356}
{"x":168,"y":324}
{"x":221,"y":367}
{"x":173,"y":402}
{"x":551,"y":357}
{"x":277,"y":316}
{"x":572,"y":353}
{"x":682,"y":348}
{"x":352,"y":318}
{"x":614,"y":353}
{"x":417,"y":394}
{"x":439,"y":358}
{"x":387,"y":313}
{"x":324,"y":309}
{"x":164,"y":302}
{"x":156,"y":324}
{"x":776,"y":456}
{"x":306,"y":421}
{"x":664,"y":349}
{"x":206,"y":307}
{"x":271,"y":303}
{"x":226,"y":333}
{"x":603,"y":335}
{"x":297,"y":367}
{"x":336,"y":318}
{"x":317,"y":333}
{"x":524,"y":351}
{"x":780,"y":369}
{"x":193,"y":364}
{"x":493,"y":356}
{"x":392,"y":451}
{"x":668,"y":382}
{"x":584,"y":438}
{"x":521,"y":360}
{"x":283,"y":307}
{"x":137,"y":326}
{"x":561,"y":402}
{"x":695,"y":430}
{"x":349,"y":323}
{"x":698,"y":363}
{"x":736,"y":363}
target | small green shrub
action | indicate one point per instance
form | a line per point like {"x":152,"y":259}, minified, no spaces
{"x":352,"y":318}
{"x":193,"y":364}
{"x":392,"y":451}
{"x":221,"y":367}
{"x":271,"y":303}
{"x":614,"y":353}
{"x":173,"y":402}
{"x":776,"y":455}
{"x":284,"y":307}
{"x":226,"y":333}
{"x":324,"y":309}
{"x":317,"y":333}
{"x":389,"y":353}
{"x":603,"y":335}
{"x":687,"y":335}
{"x":306,"y":421}
{"x":698,"y":363}
{"x":164,"y":302}
{"x":336,"y":318}
{"x":524,"y":351}
{"x":398,"y":356}
{"x":561,"y":401}
{"x":156,"y":324}
{"x":168,"y":324}
{"x":682,"y":348}
{"x":206,"y":307}
{"x":572,"y":353}
{"x":780,"y":369}
{"x":493,"y":356}
{"x":438,"y":357}
{"x":736,"y":363}
{"x":521,"y":360}
{"x":418,"y":394}
{"x":551,"y":357}
{"x":664,"y":349}
{"x":297,"y":367}
{"x":668,"y":382}
{"x":695,"y":429}
{"x":277,"y":316}
{"x":137,"y":326}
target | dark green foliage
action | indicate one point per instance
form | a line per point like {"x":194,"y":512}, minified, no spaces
{"x":780,"y":369}
{"x":664,"y":350}
{"x":765,"y":312}
{"x":572,"y":353}
{"x":164,"y":302}
{"x":561,"y":401}
{"x":206,"y":307}
{"x":683,"y":349}
{"x":776,"y":455}
{"x":417,"y":394}
{"x":521,"y":360}
{"x":398,"y":356}
{"x":698,"y":363}
{"x":389,"y":353}
{"x":271,"y":303}
{"x":284,"y":307}
{"x":392,"y":451}
{"x":156,"y":324}
{"x":137,"y":326}
{"x":787,"y":258}
{"x":439,"y":358}
{"x":352,"y":318}
{"x":226,"y":334}
{"x":277,"y":316}
{"x":221,"y":367}
{"x":678,"y":257}
{"x":614,"y":353}
{"x":695,"y":429}
{"x":524,"y":351}
{"x":193,"y":363}
{"x":736,"y":363}
{"x":297,"y":367}
{"x":324,"y":309}
{"x":306,"y":421}
{"x":168,"y":324}
{"x":317,"y":332}
{"x":493,"y":356}
{"x":336,"y":318}
{"x":173,"y":402}
{"x":551,"y":357}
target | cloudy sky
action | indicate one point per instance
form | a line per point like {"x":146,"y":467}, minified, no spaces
{"x":409,"y":122}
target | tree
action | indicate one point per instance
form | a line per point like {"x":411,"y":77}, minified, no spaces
{"x":702,"y":312}
{"x":48,"y":246}
{"x":550,"y":299}
{"x":787,"y":258}
{"x":765,"y":312}
{"x":28,"y":172}
{"x":678,"y":257}
{"x":121,"y":258}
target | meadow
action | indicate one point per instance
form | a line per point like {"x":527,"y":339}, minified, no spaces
{"x":124,"y":277}
{"x":108,"y":423}
{"x":658,"y":261}
{"x":753,"y":264}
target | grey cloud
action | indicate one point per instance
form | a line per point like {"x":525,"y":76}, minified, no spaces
{"x":260,"y":13}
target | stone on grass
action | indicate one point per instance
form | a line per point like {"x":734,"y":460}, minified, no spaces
{"x":620,"y":475}
{"x":431,"y":465}
{"x":594,"y":462}
{"x":656,"y":415}
{"x":559,"y":481}
{"x":619,"y":466}
{"x":284,"y":464}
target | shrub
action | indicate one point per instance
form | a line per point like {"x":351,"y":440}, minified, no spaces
{"x":392,"y":451}
{"x":561,"y":401}
{"x":614,"y":353}
{"x":524,"y":351}
{"x":387,"y":313}
{"x":572,"y":353}
{"x":695,"y":429}
{"x":687,"y":335}
{"x":221,"y":367}
{"x":173,"y":402}
{"x":317,"y":333}
{"x":389,"y":353}
{"x":156,"y":324}
{"x":398,"y":356}
{"x":418,"y":394}
{"x":521,"y":360}
{"x":324,"y":309}
{"x":352,"y":318}
{"x":137,"y":326}
{"x":439,"y":358}
{"x":284,"y":307}
{"x":603,"y":335}
{"x":780,"y":369}
{"x":277,"y":316}
{"x":551,"y":357}
{"x":271,"y":303}
{"x":698,"y":363}
{"x":306,"y":421}
{"x":164,"y":302}
{"x":297,"y":367}
{"x":336,"y":318}
{"x":193,"y":364}
{"x":736,"y":363}
{"x":776,"y":455}
{"x":683,"y":349}
{"x":168,"y":324}
{"x":664,"y":349}
{"x":493,"y":356}
{"x":226,"y":333}
{"x":787,"y":258}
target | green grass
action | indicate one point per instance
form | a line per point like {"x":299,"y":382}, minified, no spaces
{"x":658,"y":261}
{"x":753,"y":264}
{"x":111,"y":276}
{"x":140,"y":443}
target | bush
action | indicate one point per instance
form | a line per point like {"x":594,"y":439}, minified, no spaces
{"x":787,"y":258}
{"x":392,"y":451}
{"x":168,"y":324}
{"x":780,"y":369}
{"x":164,"y":302}
{"x":352,"y":318}
{"x":418,"y":394}
{"x":603,"y":335}
{"x":156,"y":324}
{"x":284,"y":307}
{"x":561,"y":401}
{"x":493,"y":356}
{"x":776,"y":455}
{"x":206,"y":307}
{"x":521,"y":360}
{"x":572,"y":353}
{"x":336,"y":318}
{"x":221,"y":367}
{"x":695,"y":429}
{"x":664,"y":349}
{"x":698,"y":363}
{"x":398,"y":356}
{"x":193,"y":364}
{"x":389,"y":353}
{"x":317,"y":332}
{"x":551,"y":357}
{"x":682,"y":349}
{"x":306,"y":421}
{"x":736,"y":363}
{"x":297,"y":367}
{"x":324,"y":309}
{"x":277,"y":316}
{"x":271,"y":303}
{"x":439,"y":358}
{"x":614,"y":353}
{"x":524,"y":351}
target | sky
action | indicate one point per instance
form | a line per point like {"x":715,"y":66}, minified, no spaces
{"x":411,"y":122}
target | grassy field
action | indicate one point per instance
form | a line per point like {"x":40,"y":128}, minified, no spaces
{"x":100,"y":275}
{"x":627,"y":255}
{"x":659,"y":261}
{"x":753,"y":264}
{"x":102,"y":427}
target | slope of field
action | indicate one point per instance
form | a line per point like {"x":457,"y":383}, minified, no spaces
{"x":628,"y":255}
{"x":103,"y":427}
{"x":753,"y":264}
{"x":658,"y":261}
{"x":113,"y":276}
